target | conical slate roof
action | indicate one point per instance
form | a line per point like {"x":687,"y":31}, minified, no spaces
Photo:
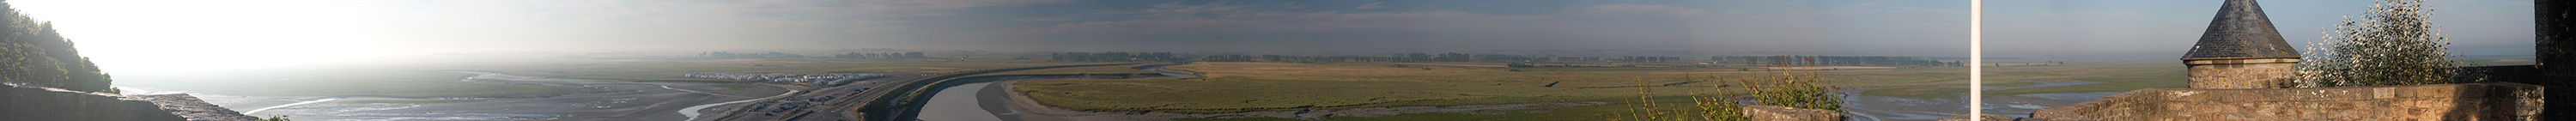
{"x":2240,"y":32}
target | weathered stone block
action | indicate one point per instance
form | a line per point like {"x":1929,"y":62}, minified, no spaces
{"x":1777,"y":113}
{"x":2243,"y":74}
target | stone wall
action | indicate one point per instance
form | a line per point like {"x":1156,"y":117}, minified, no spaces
{"x":1777,"y":113}
{"x":31,"y":103}
{"x":2242,"y":73}
{"x":1984,"y":117}
{"x":2552,"y":108}
{"x":2480,"y":101}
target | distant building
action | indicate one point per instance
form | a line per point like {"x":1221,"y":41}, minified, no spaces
{"x":2241,"y":50}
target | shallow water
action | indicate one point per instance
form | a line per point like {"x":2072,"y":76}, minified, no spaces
{"x":601,"y":100}
{"x":2042,"y":84}
{"x":957,"y":103}
{"x":380,"y":111}
{"x":255,"y":111}
{"x":1875,"y":108}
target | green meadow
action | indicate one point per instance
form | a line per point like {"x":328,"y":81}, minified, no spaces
{"x":1262,"y":86}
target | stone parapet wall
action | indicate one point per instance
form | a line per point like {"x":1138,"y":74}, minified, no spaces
{"x":1777,"y":113}
{"x":2553,"y":85}
{"x":2480,"y":101}
{"x":1983,"y":117}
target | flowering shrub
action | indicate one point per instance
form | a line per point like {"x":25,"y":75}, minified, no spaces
{"x":2391,"y":44}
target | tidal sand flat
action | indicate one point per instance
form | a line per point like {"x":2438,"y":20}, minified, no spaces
{"x":600,"y":100}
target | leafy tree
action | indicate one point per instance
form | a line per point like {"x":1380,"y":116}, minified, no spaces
{"x":33,"y":52}
{"x":2392,"y":43}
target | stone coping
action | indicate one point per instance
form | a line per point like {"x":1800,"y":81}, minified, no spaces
{"x":2475,"y":101}
{"x":1777,"y":113}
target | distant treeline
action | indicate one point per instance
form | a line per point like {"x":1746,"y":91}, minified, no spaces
{"x":889,"y":55}
{"x":34,"y":53}
{"x":1114,"y":56}
{"x":749,"y":55}
{"x":1831,"y":60}
{"x":1428,"y":57}
{"x":1504,"y":58}
{"x":854,"y":55}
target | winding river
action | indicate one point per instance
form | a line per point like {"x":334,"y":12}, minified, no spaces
{"x":968,"y":102}
{"x":958,"y":103}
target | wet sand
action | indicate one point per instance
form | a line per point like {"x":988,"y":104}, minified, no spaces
{"x":1877,"y":108}
{"x":1872,"y":108}
{"x":599,"y":100}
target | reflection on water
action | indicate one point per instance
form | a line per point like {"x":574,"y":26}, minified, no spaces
{"x":2041,"y":84}
{"x":957,"y":103}
{"x":1874,"y":108}
{"x":597,"y":100}
{"x":255,"y":111}
{"x":382,"y":111}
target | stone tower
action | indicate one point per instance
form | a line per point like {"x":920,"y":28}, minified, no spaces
{"x":2241,"y":50}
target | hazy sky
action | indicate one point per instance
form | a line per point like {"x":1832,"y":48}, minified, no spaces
{"x":214,"y":34}
{"x":2165,"y":29}
{"x":114,"y":31}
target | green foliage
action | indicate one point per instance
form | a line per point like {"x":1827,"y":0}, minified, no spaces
{"x":2394,"y":43}
{"x":34,"y":52}
{"x":1720,"y":107}
{"x":275,"y":118}
{"x":1791,"y":88}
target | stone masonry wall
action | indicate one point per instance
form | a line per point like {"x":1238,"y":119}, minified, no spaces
{"x":2480,"y":101}
{"x":2242,"y":76}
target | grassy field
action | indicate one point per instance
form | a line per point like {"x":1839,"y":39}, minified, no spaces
{"x":671,"y":69}
{"x":1110,"y":69}
{"x":1253,"y":86}
{"x":1578,"y":113}
{"x":2115,"y":76}
{"x":1919,"y":93}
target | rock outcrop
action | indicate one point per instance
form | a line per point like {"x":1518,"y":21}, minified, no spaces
{"x":20,"y":102}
